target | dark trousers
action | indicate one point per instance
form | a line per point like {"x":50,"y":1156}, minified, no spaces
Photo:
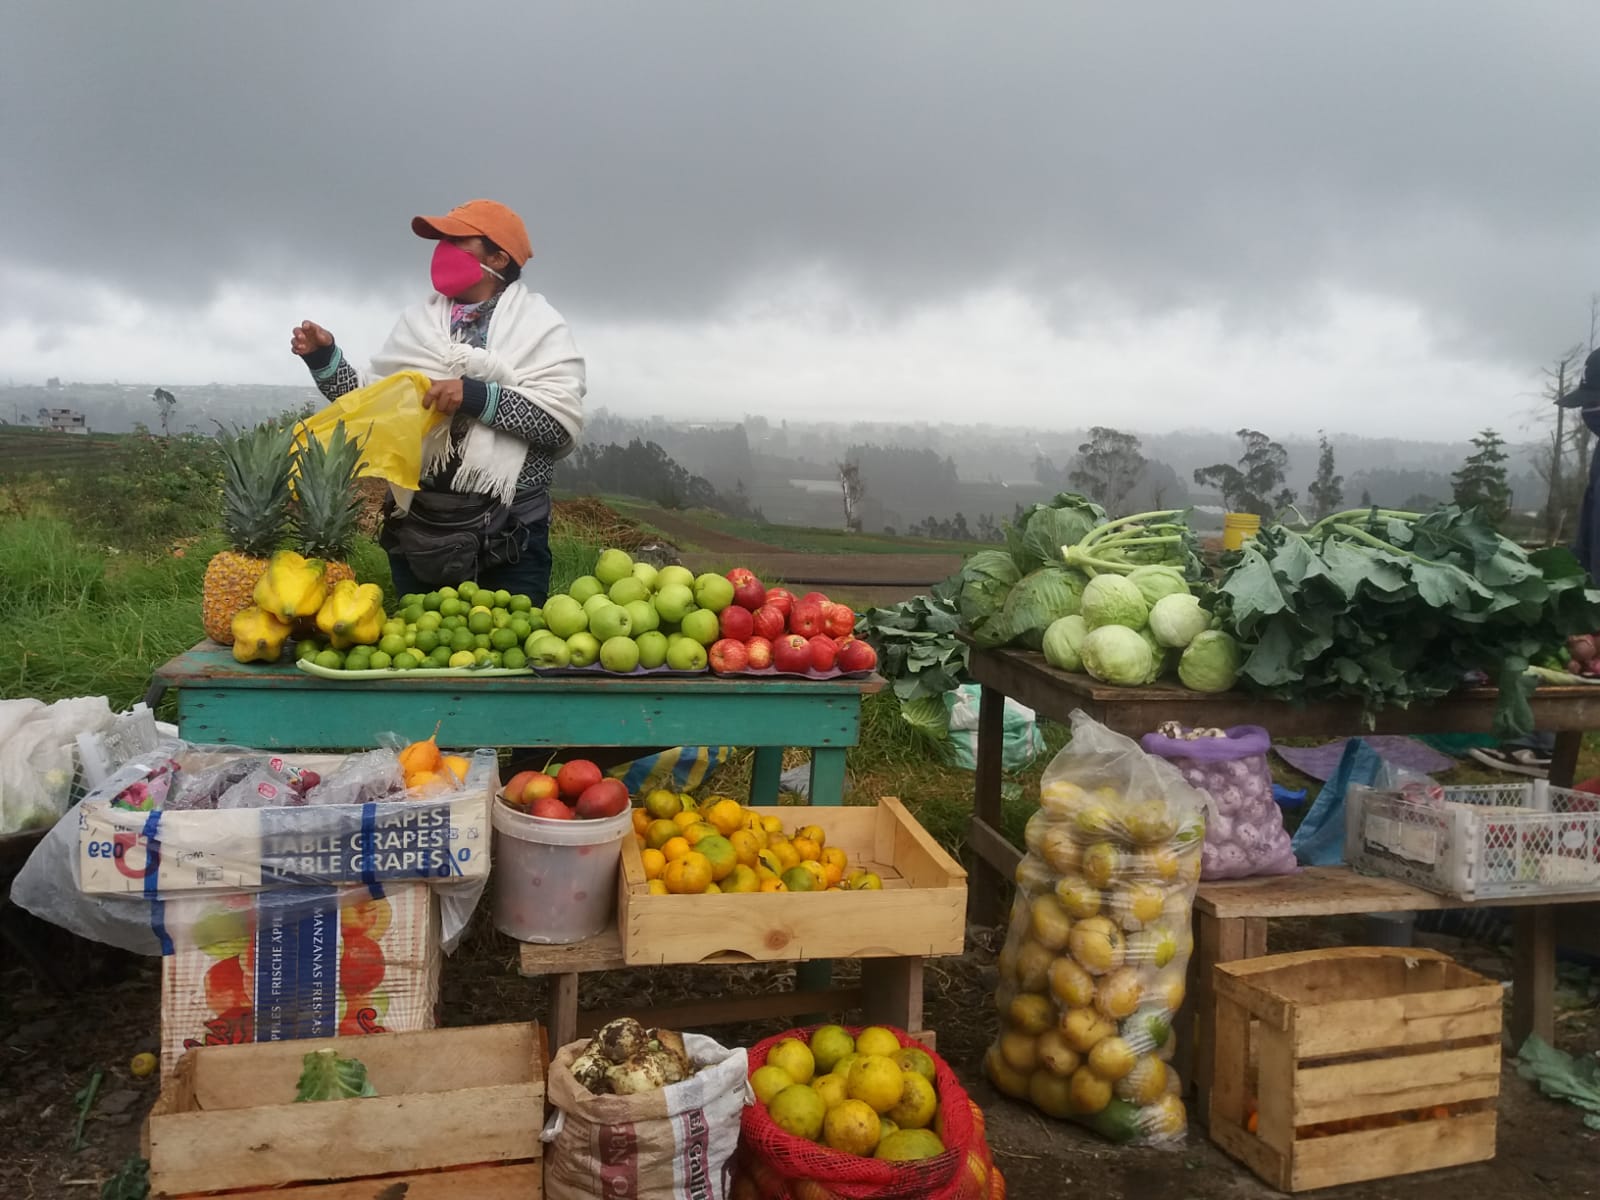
{"x":528,"y":576}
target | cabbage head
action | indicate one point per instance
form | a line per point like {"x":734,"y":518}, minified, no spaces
{"x":1158,"y":655}
{"x":1039,"y":599}
{"x":1158,"y":581}
{"x":1178,"y":620}
{"x":1210,"y":663}
{"x":985,"y":580}
{"x":1039,"y":538}
{"x":1114,"y":600}
{"x":1062,"y":641}
{"x":1117,"y":654}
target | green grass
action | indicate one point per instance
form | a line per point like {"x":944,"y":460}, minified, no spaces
{"x":796,"y":538}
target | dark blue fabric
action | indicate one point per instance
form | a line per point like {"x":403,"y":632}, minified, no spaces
{"x":1587,"y":545}
{"x":1319,"y":842}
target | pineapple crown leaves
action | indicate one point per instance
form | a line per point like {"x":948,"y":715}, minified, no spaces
{"x":327,"y":504}
{"x":255,"y":486}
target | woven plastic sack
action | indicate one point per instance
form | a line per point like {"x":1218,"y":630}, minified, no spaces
{"x":777,"y":1165}
{"x":1092,"y":973}
{"x":680,"y":769}
{"x":1021,"y":740}
{"x":1244,"y":829}
{"x":388,"y":419}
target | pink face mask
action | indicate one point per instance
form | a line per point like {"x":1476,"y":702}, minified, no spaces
{"x":454,"y":270}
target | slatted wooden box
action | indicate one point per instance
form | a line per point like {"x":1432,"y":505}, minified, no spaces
{"x":920,"y":912}
{"x":1356,"y":1063}
{"x":458,"y":1113}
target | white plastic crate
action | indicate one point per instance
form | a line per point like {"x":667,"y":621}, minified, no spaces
{"x":1484,"y":842}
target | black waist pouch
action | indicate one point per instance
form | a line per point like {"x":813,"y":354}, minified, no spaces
{"x":447,"y":536}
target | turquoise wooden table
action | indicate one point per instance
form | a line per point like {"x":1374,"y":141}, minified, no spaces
{"x":280,"y":707}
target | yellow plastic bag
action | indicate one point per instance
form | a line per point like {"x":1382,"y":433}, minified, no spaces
{"x":388,"y":418}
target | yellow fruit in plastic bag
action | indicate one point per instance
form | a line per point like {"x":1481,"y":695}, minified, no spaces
{"x":1050,"y":1094}
{"x":1166,"y":1118}
{"x":1062,"y":795}
{"x":1119,"y":993}
{"x":1020,"y":1050}
{"x":1170,"y":990}
{"x":1060,"y":849}
{"x":258,"y":636}
{"x":1156,"y":946}
{"x":1144,"y":1083}
{"x":1055,"y":1055}
{"x":1071,"y":984}
{"x":1031,"y":1013}
{"x":1089,"y":1092}
{"x":1096,"y":821}
{"x":1100,"y":864}
{"x":1085,"y":1029}
{"x":1078,"y":898}
{"x":1006,"y":962}
{"x":1033,"y":967}
{"x":1138,"y":905}
{"x":1049,"y":922}
{"x":1159,"y":864}
{"x":292,"y":586}
{"x":1150,"y":823}
{"x":1004,"y":1076}
{"x":1097,"y":945}
{"x":1112,"y":1059}
{"x":1033,"y":876}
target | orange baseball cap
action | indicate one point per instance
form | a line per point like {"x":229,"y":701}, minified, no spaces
{"x":480,"y":218}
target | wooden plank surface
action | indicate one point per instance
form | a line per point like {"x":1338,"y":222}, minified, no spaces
{"x":1402,"y":1150}
{"x":602,"y":952}
{"x":1418,"y":1019}
{"x":1334,"y":891}
{"x":509,"y":1181}
{"x":1533,"y":975}
{"x":1401,"y":1083}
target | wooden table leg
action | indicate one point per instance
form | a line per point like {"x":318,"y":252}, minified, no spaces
{"x":1564,"y":758}
{"x":563,"y":1010}
{"x":892,"y":992}
{"x":1217,"y":940}
{"x":765,"y":774}
{"x":827,"y":788}
{"x":1533,"y":975}
{"x":985,"y":882}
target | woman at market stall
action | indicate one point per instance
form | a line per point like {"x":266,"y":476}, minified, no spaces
{"x":505,"y":370}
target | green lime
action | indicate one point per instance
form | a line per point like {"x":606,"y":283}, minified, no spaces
{"x":480,"y":641}
{"x":392,"y":643}
{"x":501,"y":616}
{"x":502,"y":598}
{"x":480,"y":620}
{"x":521,"y":627}
{"x":405,"y":661}
{"x":513,"y":659}
{"x":393,"y":625}
{"x":306,"y":648}
{"x":462,"y":639}
{"x":440,"y":656}
{"x":453,"y":623}
{"x":448,"y":593}
{"x":412,"y":614}
{"x":481,"y":657}
{"x":427,"y":639}
{"x":504,"y":639}
{"x":431,"y":601}
{"x":467,"y":590}
{"x":411,"y":637}
{"x":450,"y":606}
{"x":463,"y":658}
{"x":331,"y":659}
{"x":429,"y":620}
{"x":536,"y":619}
{"x":496,"y":659}
{"x":520,"y":604}
{"x":380,"y":661}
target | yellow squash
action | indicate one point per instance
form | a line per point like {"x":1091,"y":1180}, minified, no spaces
{"x":352,"y":615}
{"x":258,"y":636}
{"x":292,"y":586}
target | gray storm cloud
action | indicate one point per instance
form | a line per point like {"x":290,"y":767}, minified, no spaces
{"x":1240,"y":156}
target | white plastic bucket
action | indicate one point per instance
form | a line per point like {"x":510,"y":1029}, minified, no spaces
{"x":555,"y":881}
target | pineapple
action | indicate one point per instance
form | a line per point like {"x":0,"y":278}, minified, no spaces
{"x":328,"y":507}
{"x":255,"y":511}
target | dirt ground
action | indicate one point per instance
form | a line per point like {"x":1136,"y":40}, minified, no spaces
{"x":54,"y":1041}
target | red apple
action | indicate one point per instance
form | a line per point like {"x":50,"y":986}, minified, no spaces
{"x":727,"y":656}
{"x":540,"y":787}
{"x":604,"y":799}
{"x":824,"y":653}
{"x":856,"y":655}
{"x":838,"y":621}
{"x":781,"y":599}
{"x":792,"y":653}
{"x":817,"y":598}
{"x":552,"y":808}
{"x":806,"y":619}
{"x":748,"y":591}
{"x":770,"y":621}
{"x":737,"y":623}
{"x":516,"y":785}
{"x":576,"y":777}
{"x":759,"y":651}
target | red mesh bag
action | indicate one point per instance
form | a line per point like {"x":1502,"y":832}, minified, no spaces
{"x":776,"y":1165}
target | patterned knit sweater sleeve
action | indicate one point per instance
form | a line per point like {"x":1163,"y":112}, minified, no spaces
{"x":332,"y":372}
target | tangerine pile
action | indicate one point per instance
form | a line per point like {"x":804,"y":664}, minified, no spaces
{"x":692,"y":848}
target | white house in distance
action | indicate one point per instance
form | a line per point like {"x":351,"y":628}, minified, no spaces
{"x":63,"y":420}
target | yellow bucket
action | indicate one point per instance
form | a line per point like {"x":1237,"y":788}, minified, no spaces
{"x":1238,"y":528}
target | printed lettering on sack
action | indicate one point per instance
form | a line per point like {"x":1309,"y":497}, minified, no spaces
{"x":694,"y":1148}
{"x":618,"y":1152}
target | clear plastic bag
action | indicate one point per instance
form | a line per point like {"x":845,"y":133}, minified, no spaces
{"x":1244,"y":829}
{"x":1092,"y":973}
{"x":38,"y":762}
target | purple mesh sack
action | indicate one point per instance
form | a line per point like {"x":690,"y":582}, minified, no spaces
{"x":1244,"y":828}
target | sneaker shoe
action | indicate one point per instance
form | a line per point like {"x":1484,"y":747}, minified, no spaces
{"x":1517,"y":761}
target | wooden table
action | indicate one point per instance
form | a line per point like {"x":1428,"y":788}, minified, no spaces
{"x":1025,"y":677}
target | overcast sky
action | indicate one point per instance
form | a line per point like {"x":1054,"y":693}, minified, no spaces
{"x":1377,"y":216}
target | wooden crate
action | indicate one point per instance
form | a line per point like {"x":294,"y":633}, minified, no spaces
{"x":920,"y":912}
{"x":458,"y":1112}
{"x":1356,"y":1063}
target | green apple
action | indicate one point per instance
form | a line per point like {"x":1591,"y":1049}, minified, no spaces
{"x":643,"y":615}
{"x":674,"y":601}
{"x":595,"y":603}
{"x":619,"y":654}
{"x":565,"y":616}
{"x":627,"y":590}
{"x":611,"y":622}
{"x":713,"y":592}
{"x":583,"y":649}
{"x":538,"y":638}
{"x":652,"y":649}
{"x":674,"y":574}
{"x":702,"y":626}
{"x":645,"y":574}
{"x":585,"y":586}
{"x":687,"y":655}
{"x":613,"y":565}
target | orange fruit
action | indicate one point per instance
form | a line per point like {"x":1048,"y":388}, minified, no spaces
{"x":772,"y":825}
{"x":687,"y":818}
{"x":421,"y":756}
{"x":726,"y":815}
{"x":655,"y":862}
{"x":422,"y":781}
{"x":657,"y":888}
{"x":798,"y":879}
{"x":457,"y":765}
{"x":745,"y":846}
{"x":720,"y":854}
{"x":659,"y":833}
{"x":688,"y":876}
{"x":806,"y":848}
{"x":814,"y":832}
{"x":676,"y":848}
{"x":641,"y":821}
{"x":741,"y":879}
{"x":834,"y":861}
{"x":698,"y":832}
{"x":774,"y":885}
{"x":818,"y":872}
{"x":787,"y":855}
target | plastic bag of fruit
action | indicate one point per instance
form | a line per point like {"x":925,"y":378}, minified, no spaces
{"x":853,"y":1114}
{"x":1092,"y":973}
